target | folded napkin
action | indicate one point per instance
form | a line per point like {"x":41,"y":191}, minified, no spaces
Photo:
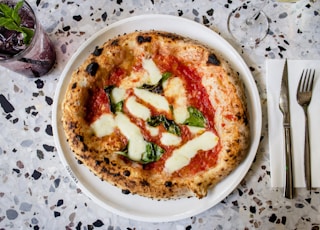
{"x":276,"y":136}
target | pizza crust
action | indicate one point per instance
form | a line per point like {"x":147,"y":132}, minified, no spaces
{"x":226,"y":96}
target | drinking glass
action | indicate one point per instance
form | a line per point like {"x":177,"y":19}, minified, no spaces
{"x":248,"y":24}
{"x":34,"y":59}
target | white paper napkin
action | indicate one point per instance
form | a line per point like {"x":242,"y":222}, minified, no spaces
{"x":276,"y":136}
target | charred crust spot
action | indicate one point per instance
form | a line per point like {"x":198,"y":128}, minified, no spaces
{"x":126,"y":173}
{"x":106,"y":160}
{"x":169,"y":35}
{"x":115,"y":42}
{"x":126,"y":191}
{"x":168,"y":184}
{"x":85,"y":148}
{"x":74,"y":85}
{"x":92,"y":68}
{"x":79,"y":138}
{"x":113,"y":163}
{"x":98,"y":162}
{"x":144,"y":183}
{"x":72,"y":125}
{"x":79,"y":162}
{"x":212,"y":59}
{"x":97,"y":51}
{"x":142,"y":39}
{"x":116,"y":174}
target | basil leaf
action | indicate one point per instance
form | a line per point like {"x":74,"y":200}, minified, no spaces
{"x":169,"y":125}
{"x":195,"y":118}
{"x":158,"y":89}
{"x":114,"y":107}
{"x":153,"y":153}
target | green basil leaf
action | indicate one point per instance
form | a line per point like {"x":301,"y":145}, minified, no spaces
{"x":169,"y":125}
{"x":195,"y":118}
{"x":153,"y":153}
{"x":157,"y":88}
{"x":114,"y":107}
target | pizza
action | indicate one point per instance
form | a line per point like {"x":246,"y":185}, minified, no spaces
{"x":157,"y":114}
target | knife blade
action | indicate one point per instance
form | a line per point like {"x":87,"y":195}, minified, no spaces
{"x":285,"y":109}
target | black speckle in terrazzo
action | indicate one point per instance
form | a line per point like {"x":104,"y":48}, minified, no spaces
{"x":5,"y":104}
{"x":49,"y":100}
{"x":240,"y":192}
{"x":119,"y":2}
{"x":308,"y":200}
{"x":59,"y":203}
{"x":104,"y":16}
{"x":299,"y":205}
{"x":56,"y":214}
{"x":210,"y":12}
{"x":205,"y":20}
{"x":39,"y":83}
{"x":189,"y":227}
{"x":98,"y":223}
{"x":79,"y":225}
{"x":180,"y":13}
{"x":36,"y":174}
{"x":16,"y":170}
{"x":49,"y":130}
{"x":11,"y":214}
{"x":31,"y":110}
{"x":77,"y":18}
{"x":40,"y":154}
{"x":48,"y":148}
{"x":66,"y":28}
{"x":253,"y":209}
{"x":38,"y":2}
{"x":273,"y":218}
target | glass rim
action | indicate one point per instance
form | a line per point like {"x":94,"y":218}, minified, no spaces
{"x":18,"y":56}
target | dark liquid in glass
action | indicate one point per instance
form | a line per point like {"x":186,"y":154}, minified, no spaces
{"x":33,"y":60}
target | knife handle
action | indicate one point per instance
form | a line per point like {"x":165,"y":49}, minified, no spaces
{"x":288,"y":188}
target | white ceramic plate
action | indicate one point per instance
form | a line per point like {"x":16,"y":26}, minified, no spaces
{"x":134,"y":206}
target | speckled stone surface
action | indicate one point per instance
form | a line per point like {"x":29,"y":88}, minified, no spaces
{"x":36,"y":191}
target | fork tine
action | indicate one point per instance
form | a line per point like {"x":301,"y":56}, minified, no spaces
{"x":300,"y":82}
{"x":312,"y":78}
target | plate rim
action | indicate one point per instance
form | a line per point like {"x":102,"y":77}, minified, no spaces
{"x":255,"y":97}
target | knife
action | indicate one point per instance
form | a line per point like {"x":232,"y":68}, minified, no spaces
{"x":285,"y":109}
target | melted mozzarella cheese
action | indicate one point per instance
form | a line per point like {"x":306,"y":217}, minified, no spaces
{"x":182,"y":156}
{"x":170,"y":139}
{"x":137,"y":144}
{"x":154,"y":72}
{"x":136,"y":109}
{"x":118,"y":94}
{"x":103,"y":126}
{"x":154,"y":131}
{"x":156,"y":100}
{"x":174,"y":89}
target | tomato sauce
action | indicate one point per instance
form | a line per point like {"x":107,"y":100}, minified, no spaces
{"x":97,"y":104}
{"x":196,"y":92}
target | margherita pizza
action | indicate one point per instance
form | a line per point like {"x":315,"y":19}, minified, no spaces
{"x":157,"y":114}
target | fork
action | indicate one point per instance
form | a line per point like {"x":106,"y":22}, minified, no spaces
{"x":304,"y":95}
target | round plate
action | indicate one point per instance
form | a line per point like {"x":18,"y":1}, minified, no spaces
{"x":135,"y":206}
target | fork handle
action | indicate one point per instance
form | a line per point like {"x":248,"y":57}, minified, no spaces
{"x":288,"y":188}
{"x":307,"y":160}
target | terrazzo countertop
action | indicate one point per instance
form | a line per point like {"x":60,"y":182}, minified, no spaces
{"x":36,"y":192}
